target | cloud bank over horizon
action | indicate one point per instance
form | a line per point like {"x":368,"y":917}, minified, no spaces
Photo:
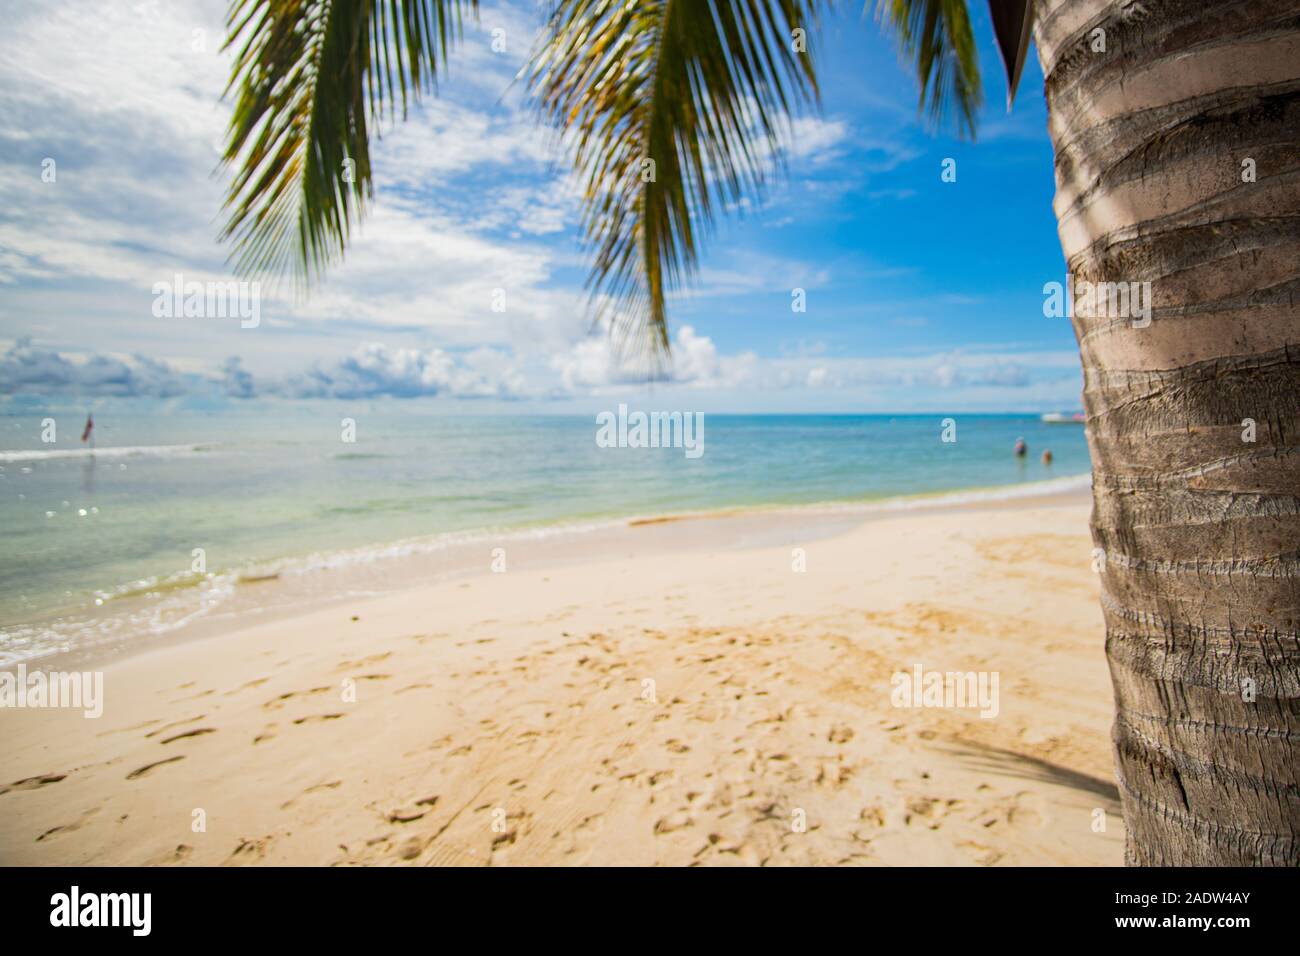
{"x":589,"y":370}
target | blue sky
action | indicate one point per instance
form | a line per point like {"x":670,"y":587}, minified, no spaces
{"x":922,"y":295}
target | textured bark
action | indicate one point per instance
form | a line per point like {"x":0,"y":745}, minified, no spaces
{"x":1200,"y":529}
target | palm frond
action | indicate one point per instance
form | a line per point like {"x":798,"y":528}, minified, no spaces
{"x":310,"y":76}
{"x":674,"y":107}
{"x":936,"y":37}
{"x":1013,"y":21}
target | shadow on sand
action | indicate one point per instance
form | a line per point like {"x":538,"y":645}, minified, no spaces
{"x":1008,"y":763}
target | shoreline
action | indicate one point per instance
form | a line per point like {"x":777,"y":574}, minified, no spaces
{"x":283,"y":588}
{"x":677,"y":704}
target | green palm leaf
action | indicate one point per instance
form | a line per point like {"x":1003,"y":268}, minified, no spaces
{"x":311,"y":75}
{"x":674,"y":107}
{"x":935,"y":37}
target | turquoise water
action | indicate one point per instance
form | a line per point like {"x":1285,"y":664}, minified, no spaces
{"x":268,"y":488}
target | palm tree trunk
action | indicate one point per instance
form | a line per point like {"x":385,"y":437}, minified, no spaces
{"x":1156,"y":139}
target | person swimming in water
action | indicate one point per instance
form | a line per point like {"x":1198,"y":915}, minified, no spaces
{"x":1021,"y":448}
{"x":1047,"y":456}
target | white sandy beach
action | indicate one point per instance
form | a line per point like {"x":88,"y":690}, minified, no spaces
{"x":691,"y":707}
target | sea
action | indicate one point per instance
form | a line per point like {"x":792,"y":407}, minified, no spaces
{"x":179,"y":517}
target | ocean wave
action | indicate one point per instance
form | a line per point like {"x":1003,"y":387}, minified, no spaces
{"x":915,"y":502}
{"x":122,"y":451}
{"x":939,"y":499}
{"x":172,"y":611}
{"x":413,"y":547}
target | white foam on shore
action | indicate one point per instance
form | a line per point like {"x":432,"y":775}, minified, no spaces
{"x":411,"y":547}
{"x":123,"y":451}
{"x":1032,"y":489}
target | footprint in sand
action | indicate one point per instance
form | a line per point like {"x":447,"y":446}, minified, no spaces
{"x":249,"y":851}
{"x":68,"y":827}
{"x":31,"y":783}
{"x":174,"y":724}
{"x":840,"y":734}
{"x":201,"y":694}
{"x":1026,"y":810}
{"x":178,"y":855}
{"x":278,"y":702}
{"x":981,"y":854}
{"x":127,"y":730}
{"x":149,"y":767}
{"x":925,"y":811}
{"x":189,"y":733}
{"x":331,"y":785}
{"x":411,"y":814}
{"x":318,"y":717}
{"x":252,"y":683}
{"x":364,"y":662}
{"x":268,"y":733}
{"x":679,"y":820}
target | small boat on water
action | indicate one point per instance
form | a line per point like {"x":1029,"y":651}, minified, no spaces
{"x":1056,"y":418}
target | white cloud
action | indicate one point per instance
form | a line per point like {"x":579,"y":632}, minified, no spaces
{"x":594,"y":365}
{"x":441,"y":138}
{"x":375,"y":369}
{"x":27,"y":369}
{"x":588,"y":368}
{"x":126,"y":100}
{"x":371,"y":370}
{"x":815,"y":139}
